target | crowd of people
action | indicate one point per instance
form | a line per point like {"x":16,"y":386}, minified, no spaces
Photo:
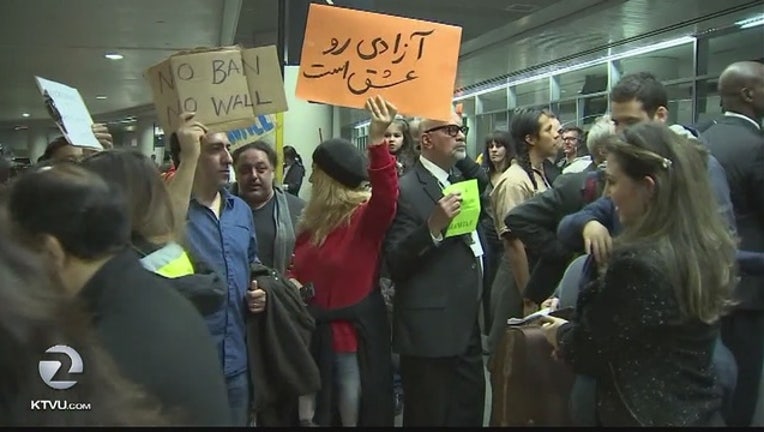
{"x":193,"y":300}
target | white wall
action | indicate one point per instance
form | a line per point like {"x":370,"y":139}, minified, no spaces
{"x":302,"y":123}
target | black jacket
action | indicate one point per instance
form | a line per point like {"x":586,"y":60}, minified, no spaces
{"x":535,"y":222}
{"x":293,"y":179}
{"x":278,"y":341}
{"x":369,"y":317}
{"x":158,"y":340}
{"x":739,"y":147}
{"x":652,"y":367}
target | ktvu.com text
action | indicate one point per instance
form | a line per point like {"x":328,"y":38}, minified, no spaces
{"x":48,"y":370}
{"x":58,"y":405}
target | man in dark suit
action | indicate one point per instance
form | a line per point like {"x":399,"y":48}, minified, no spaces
{"x":736,"y":140}
{"x":438,"y":286}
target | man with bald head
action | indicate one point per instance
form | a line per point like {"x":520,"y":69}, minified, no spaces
{"x":219,"y":232}
{"x":438,"y":285}
{"x":736,"y":140}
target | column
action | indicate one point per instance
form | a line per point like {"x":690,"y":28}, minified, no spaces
{"x":145,"y":135}
{"x":37,"y":141}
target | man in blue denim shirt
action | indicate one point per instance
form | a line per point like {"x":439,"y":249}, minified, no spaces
{"x":220,"y":232}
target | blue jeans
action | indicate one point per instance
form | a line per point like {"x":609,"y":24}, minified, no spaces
{"x":347,"y":381}
{"x":239,"y":398}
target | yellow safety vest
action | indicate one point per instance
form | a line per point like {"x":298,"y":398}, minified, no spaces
{"x":171,"y":261}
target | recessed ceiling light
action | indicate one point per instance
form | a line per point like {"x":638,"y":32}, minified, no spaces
{"x":25,"y":115}
{"x":114,"y":56}
{"x":100,"y":97}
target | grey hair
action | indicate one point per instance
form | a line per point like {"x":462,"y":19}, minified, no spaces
{"x":415,"y":125}
{"x":601,"y":129}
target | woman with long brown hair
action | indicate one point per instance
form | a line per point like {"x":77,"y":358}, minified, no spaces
{"x":646,"y":328}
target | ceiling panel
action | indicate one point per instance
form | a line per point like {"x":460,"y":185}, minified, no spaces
{"x":66,"y":41}
{"x":475,"y":17}
{"x":596,"y":28}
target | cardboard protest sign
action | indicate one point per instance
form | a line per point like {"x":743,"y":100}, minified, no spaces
{"x":467,"y":219}
{"x":226,"y":87}
{"x":67,"y":109}
{"x":349,"y":56}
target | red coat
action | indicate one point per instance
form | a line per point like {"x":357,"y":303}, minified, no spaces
{"x":344,"y":269}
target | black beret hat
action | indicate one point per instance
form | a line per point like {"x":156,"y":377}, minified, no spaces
{"x":341,"y":161}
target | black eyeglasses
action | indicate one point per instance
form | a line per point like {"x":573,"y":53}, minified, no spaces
{"x":452,"y":130}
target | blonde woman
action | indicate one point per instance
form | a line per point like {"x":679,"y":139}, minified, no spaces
{"x":646,"y":329}
{"x":337,"y":252}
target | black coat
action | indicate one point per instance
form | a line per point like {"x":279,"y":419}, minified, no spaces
{"x":293,"y":179}
{"x":278,"y":343}
{"x":535,"y":222}
{"x":739,"y":147}
{"x":158,"y":340}
{"x":652,"y":367}
{"x":369,"y":318}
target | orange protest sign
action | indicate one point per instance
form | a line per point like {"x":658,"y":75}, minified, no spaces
{"x":349,"y":56}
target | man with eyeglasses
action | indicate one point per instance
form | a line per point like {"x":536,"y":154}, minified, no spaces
{"x":439,"y":283}
{"x":571,"y":145}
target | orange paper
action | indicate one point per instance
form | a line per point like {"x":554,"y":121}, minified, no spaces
{"x":349,"y":56}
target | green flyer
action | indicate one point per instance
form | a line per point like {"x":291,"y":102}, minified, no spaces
{"x":467,"y":219}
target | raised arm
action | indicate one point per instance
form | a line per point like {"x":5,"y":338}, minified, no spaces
{"x":189,"y":137}
{"x":383,"y":173}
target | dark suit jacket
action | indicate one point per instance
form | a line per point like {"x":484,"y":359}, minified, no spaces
{"x":739,"y":147}
{"x":437,"y":287}
{"x":293,"y":179}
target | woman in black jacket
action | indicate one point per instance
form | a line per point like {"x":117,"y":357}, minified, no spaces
{"x":294,"y":171}
{"x":646,"y":328}
{"x":153,"y":227}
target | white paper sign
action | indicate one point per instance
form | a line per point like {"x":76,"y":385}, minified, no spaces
{"x":66,"y":107}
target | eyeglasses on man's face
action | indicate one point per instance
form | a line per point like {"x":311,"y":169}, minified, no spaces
{"x":452,"y":130}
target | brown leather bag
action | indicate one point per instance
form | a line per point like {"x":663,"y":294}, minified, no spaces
{"x":530,"y":387}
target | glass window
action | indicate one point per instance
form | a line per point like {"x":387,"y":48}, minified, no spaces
{"x":666,"y":64}
{"x":592,"y":108}
{"x":566,"y":111}
{"x":585,"y":81}
{"x":709,"y":102}
{"x":494,"y":101}
{"x":533,"y":93}
{"x":724,"y":50}
{"x":680,"y":103}
{"x":500,"y":121}
{"x":484,"y":126}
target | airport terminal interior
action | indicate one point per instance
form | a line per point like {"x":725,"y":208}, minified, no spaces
{"x":316,"y":213}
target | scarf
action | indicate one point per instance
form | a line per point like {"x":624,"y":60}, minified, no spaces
{"x":285,"y":236}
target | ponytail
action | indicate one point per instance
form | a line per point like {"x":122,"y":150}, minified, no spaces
{"x":524,"y":123}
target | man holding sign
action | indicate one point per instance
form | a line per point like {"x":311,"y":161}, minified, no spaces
{"x":435,"y":258}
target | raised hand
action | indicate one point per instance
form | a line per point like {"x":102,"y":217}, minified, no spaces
{"x":190,"y":133}
{"x":102,"y":134}
{"x":382,"y":114}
